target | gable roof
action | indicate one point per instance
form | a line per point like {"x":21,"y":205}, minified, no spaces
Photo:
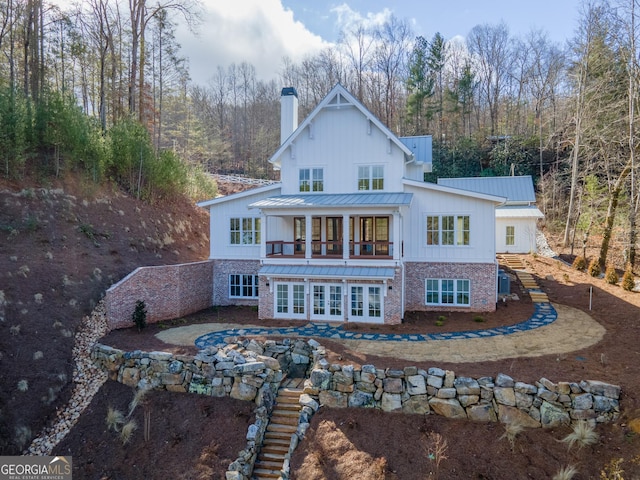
{"x":335,"y":98}
{"x":516,"y":189}
{"x":456,"y":191}
{"x":234,"y":196}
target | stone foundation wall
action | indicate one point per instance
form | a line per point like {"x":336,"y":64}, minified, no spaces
{"x":168,"y":291}
{"x":486,"y":399}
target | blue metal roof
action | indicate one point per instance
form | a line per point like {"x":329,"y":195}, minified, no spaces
{"x":421,"y":146}
{"x":516,"y":189}
{"x":318,"y":271}
{"x":335,"y":200}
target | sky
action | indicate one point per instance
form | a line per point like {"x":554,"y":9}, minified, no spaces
{"x":262,"y":32}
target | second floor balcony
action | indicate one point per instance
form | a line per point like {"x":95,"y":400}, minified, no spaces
{"x":334,"y":249}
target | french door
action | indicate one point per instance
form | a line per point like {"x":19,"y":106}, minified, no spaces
{"x":327,"y":302}
{"x":366,"y":303}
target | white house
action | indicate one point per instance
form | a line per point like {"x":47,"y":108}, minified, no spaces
{"x":516,"y":220}
{"x":352,"y":232}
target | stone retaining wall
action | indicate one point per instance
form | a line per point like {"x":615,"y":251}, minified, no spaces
{"x":486,"y":399}
{"x":256,"y":374}
{"x":169,"y":291}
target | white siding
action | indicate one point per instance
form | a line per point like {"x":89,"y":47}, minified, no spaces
{"x":340,"y":141}
{"x":525,"y":235}
{"x":429,"y":202}
{"x":220,"y":246}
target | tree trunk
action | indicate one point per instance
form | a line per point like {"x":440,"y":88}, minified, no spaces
{"x":611,"y":214}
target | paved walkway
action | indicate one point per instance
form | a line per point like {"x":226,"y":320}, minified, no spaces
{"x":544,"y":314}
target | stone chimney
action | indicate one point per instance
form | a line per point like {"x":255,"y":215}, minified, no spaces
{"x":288,"y":112}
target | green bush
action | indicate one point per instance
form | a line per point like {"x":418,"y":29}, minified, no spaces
{"x":580,"y":263}
{"x":139,"y":316}
{"x":594,"y":268}
{"x":628,"y":280}
{"x":611,"y":276}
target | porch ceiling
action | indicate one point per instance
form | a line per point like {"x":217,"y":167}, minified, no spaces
{"x":316,"y":271}
{"x":391,"y":199}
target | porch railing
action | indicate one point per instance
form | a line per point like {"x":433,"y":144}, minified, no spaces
{"x":329,"y":249}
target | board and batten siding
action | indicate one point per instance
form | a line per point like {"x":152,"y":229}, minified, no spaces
{"x":338,"y":141}
{"x":427,"y":202}
{"x":220,"y":246}
{"x":525,"y":235}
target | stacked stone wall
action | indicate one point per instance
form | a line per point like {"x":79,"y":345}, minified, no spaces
{"x":486,"y":399}
{"x":168,"y":291}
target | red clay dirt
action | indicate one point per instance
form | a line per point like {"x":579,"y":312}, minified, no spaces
{"x":70,"y":246}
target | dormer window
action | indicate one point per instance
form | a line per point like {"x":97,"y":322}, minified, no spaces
{"x":371,"y":177}
{"x":311,"y":180}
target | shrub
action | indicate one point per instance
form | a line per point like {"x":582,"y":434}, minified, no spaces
{"x":139,"y":316}
{"x":594,"y":268}
{"x":440,"y":321}
{"x":566,"y":473}
{"x":580,"y":263}
{"x":511,"y":431}
{"x":23,"y":386}
{"x":611,"y":276}
{"x":115,"y":418}
{"x":478,"y":318}
{"x":583,"y":434}
{"x":628,"y":280}
{"x":127,"y":431}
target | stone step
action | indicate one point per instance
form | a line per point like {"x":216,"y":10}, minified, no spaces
{"x":289,"y":407}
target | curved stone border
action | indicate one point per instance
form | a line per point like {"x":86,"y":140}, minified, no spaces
{"x":544,"y":314}
{"x":87,"y":377}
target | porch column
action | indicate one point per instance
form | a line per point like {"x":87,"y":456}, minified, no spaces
{"x":346,"y":234}
{"x":308,"y":227}
{"x":263,"y":235}
{"x":397,"y":241}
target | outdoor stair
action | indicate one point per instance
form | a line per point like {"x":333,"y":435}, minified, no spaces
{"x":282,"y":424}
{"x":527,"y":280}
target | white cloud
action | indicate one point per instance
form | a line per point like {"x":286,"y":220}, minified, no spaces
{"x":349,"y":18}
{"x":259,"y":32}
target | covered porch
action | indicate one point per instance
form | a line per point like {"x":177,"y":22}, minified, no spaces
{"x":349,"y":226}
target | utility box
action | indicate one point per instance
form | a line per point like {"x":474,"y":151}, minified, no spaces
{"x":504,"y":283}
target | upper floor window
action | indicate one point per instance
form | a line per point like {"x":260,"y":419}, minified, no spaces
{"x":244,"y":231}
{"x":371,"y":177}
{"x":448,"y":230}
{"x":311,"y":180}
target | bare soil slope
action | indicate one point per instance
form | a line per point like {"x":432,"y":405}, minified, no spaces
{"x":61,"y":247}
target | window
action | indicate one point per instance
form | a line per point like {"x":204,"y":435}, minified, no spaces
{"x":371,"y":177}
{"x":511,"y":235}
{"x":448,"y":230}
{"x":243,"y":286}
{"x":367,"y":303}
{"x":311,"y":180}
{"x":447,"y":291}
{"x":244,"y":231}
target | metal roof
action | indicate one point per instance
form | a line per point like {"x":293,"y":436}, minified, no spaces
{"x":421,"y":146}
{"x":327,"y":271}
{"x":516,"y":189}
{"x":335,"y":200}
{"x":524,"y":212}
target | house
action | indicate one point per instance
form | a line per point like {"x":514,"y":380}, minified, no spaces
{"x":516,"y":220}
{"x":352,"y":233}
